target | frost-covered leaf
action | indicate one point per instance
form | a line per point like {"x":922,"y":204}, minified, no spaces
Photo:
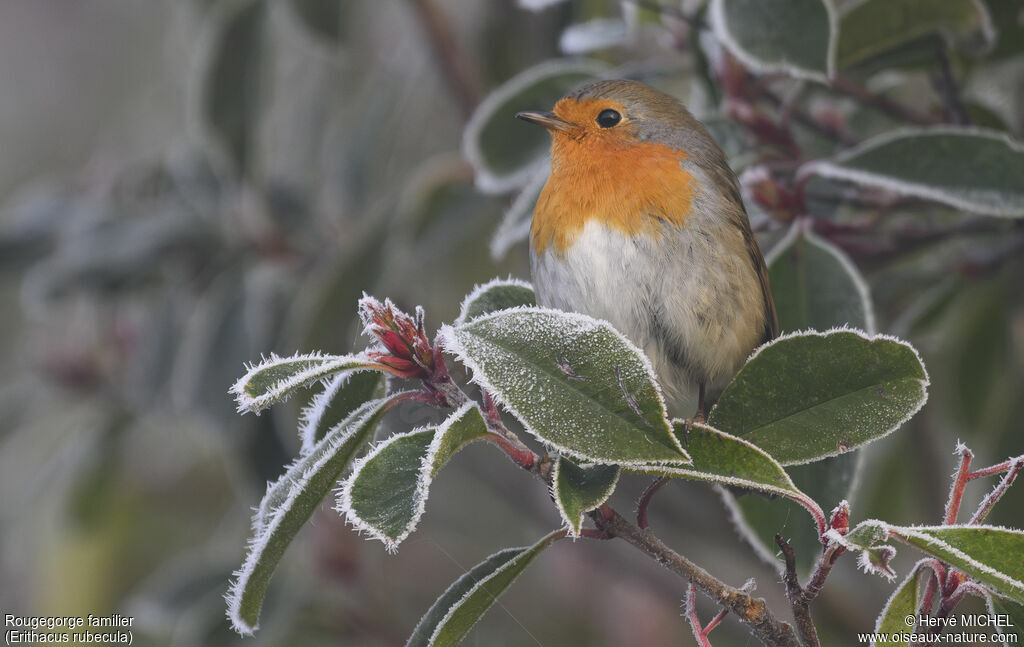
{"x":796,"y":37}
{"x":577,"y":490}
{"x":232,"y":97}
{"x":966,"y":168}
{"x":515,"y":224}
{"x":721,"y":458}
{"x":277,"y":378}
{"x":815,"y":286}
{"x":504,"y":151}
{"x":989,"y":554}
{"x":1015,"y":614}
{"x":288,"y":505}
{"x":496,"y":294}
{"x":586,"y":37}
{"x":806,"y":396}
{"x":900,"y":605}
{"x":342,"y":395}
{"x":573,"y":381}
{"x":453,"y":614}
{"x":873,"y":27}
{"x":386,"y":494}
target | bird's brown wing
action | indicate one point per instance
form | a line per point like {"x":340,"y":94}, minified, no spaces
{"x":771,"y":317}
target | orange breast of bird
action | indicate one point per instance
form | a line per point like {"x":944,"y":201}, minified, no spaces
{"x":631,"y":186}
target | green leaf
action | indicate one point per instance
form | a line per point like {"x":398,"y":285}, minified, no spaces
{"x":989,"y":554}
{"x":966,"y":168}
{"x":504,"y":151}
{"x":233,"y":80}
{"x":343,"y":394}
{"x":721,"y":458}
{"x":321,"y":18}
{"x":288,"y":505}
{"x":386,"y":494}
{"x":901,"y":604}
{"x":1015,"y":613}
{"x":873,"y":27}
{"x":807,"y":396}
{"x":577,"y":490}
{"x":496,"y":294}
{"x":453,"y":614}
{"x":573,"y":381}
{"x":277,"y":378}
{"x":792,"y":36}
{"x":815,"y":286}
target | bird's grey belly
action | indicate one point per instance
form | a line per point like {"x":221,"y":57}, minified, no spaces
{"x":686,"y":316}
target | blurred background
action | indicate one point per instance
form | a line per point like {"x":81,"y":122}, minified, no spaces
{"x":187,"y":185}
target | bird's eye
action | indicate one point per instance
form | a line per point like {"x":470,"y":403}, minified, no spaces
{"x":608,"y":118}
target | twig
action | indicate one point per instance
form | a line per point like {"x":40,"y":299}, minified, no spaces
{"x":797,"y":596}
{"x":947,"y":85}
{"x":802,"y":117}
{"x":993,"y":497}
{"x":881,"y":103}
{"x":453,"y":62}
{"x":751,"y":611}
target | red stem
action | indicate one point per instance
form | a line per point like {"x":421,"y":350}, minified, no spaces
{"x":645,"y":500}
{"x":956,"y":493}
{"x":993,"y":497}
{"x":999,"y":468}
{"x":524,"y":458}
{"x":691,"y":614}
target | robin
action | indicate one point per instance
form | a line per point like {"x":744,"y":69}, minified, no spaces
{"x":641,"y":224}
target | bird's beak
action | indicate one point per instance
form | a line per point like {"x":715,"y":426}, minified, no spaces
{"x":546,"y":119}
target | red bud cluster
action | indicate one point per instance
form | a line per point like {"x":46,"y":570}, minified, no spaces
{"x":405,"y":348}
{"x":840,"y":518}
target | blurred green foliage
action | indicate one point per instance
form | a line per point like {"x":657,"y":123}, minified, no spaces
{"x":187,"y":185}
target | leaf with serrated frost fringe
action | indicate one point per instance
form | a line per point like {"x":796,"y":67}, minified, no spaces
{"x":496,"y":294}
{"x":453,"y":614}
{"x":288,"y":505}
{"x":277,"y":378}
{"x":573,"y":381}
{"x":386,"y":494}
{"x":972,"y":169}
{"x":901,"y":604}
{"x":577,"y":490}
{"x":340,"y":397}
{"x":989,"y":554}
{"x":809,"y":395}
